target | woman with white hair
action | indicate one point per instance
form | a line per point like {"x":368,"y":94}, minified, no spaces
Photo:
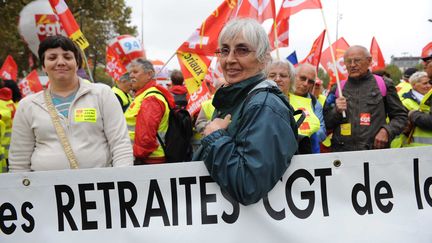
{"x":250,"y":142}
{"x":420,"y":86}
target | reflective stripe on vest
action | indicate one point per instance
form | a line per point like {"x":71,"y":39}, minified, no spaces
{"x":132,"y":112}
{"x":402,"y":88}
{"x":7,"y":110}
{"x":126,"y":98}
{"x":423,"y":137}
{"x":208,"y":108}
{"x":410,"y":104}
{"x":311,"y":124}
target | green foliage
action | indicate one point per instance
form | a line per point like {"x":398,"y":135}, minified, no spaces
{"x":322,"y":74}
{"x":99,"y":20}
{"x":395,"y":73}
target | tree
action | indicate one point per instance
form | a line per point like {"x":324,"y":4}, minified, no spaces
{"x":323,"y":76}
{"x":99,"y":20}
{"x":395,"y":73}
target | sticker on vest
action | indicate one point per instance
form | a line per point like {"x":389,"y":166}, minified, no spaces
{"x":365,"y":119}
{"x":85,"y":115}
{"x":304,"y":126}
{"x":345,"y":129}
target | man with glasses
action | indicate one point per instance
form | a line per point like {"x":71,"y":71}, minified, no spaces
{"x":367,"y":101}
{"x":313,"y":126}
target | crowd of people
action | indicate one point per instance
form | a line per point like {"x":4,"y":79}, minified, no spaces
{"x":246,"y":134}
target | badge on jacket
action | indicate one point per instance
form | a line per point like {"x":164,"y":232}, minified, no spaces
{"x":365,"y":119}
{"x":85,"y":115}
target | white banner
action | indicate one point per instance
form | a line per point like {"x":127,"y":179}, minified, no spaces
{"x":372,"y":196}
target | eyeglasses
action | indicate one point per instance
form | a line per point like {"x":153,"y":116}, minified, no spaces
{"x":304,"y":78}
{"x":239,"y":51}
{"x":355,"y":61}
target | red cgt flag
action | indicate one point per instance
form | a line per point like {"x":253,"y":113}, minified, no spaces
{"x":30,"y":84}
{"x":69,"y":23}
{"x":195,"y":53}
{"x":339,"y":49}
{"x":377,"y":56}
{"x":427,"y":50}
{"x":114,"y":66}
{"x":314,"y":55}
{"x":291,"y":7}
{"x":260,"y":10}
{"x":282,"y":28}
{"x":9,"y":70}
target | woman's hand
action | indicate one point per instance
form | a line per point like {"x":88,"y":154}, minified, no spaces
{"x":217,"y":124}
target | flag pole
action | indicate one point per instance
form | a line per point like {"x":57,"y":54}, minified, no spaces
{"x":166,"y":63}
{"x":87,"y":65}
{"x":276,"y":40}
{"x":333,"y":59}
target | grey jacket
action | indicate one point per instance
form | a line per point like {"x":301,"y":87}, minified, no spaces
{"x":100,"y":142}
{"x":364,"y":99}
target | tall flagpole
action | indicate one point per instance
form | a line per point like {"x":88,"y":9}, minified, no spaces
{"x":333,"y":58}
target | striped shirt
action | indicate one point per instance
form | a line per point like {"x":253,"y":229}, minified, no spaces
{"x":62,"y":104}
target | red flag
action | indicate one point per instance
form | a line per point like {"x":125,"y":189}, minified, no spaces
{"x":339,"y":49}
{"x":30,"y":84}
{"x":194,"y":54}
{"x":9,"y":70}
{"x":114,"y":66}
{"x":377,"y":56}
{"x":314,"y":55}
{"x":282,"y":28}
{"x":204,"y":39}
{"x":260,"y":10}
{"x":427,"y":50}
{"x":291,"y":7}
{"x":68,"y":23}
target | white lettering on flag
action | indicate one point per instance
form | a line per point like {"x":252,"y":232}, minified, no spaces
{"x":196,"y":39}
{"x":292,"y":3}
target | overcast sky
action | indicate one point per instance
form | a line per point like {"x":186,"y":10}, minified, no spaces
{"x":401,"y":27}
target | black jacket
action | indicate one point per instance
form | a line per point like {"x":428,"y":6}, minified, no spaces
{"x":364,"y":100}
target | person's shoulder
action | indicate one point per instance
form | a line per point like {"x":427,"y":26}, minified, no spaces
{"x":36,"y":97}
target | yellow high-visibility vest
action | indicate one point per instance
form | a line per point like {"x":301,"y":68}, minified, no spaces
{"x":311,"y":124}
{"x":132,"y":112}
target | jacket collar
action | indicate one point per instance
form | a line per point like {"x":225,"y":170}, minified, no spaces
{"x":84,"y":87}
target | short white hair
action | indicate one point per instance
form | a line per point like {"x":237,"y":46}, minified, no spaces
{"x":415,"y":78}
{"x":252,"y":32}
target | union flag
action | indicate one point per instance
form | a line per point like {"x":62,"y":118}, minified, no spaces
{"x":69,"y":23}
{"x":314,"y":55}
{"x":377,"y":56}
{"x":30,"y":84}
{"x":195,"y":54}
{"x":339,"y":49}
{"x":291,"y":7}
{"x":9,"y":70}
{"x":260,"y":10}
{"x":282,"y":32}
{"x":427,"y":50}
{"x":114,"y":66}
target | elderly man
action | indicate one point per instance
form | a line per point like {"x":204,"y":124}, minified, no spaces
{"x":367,"y":100}
{"x":148,"y":114}
{"x":121,"y":90}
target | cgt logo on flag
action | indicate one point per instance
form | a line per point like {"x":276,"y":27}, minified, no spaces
{"x":48,"y":25}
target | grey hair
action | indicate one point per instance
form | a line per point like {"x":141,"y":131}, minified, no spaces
{"x":252,"y":32}
{"x":415,"y":78}
{"x":278,"y":63}
{"x":146,"y":65}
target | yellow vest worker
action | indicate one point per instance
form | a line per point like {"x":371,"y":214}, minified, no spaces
{"x":3,"y":163}
{"x":422,"y":137}
{"x":131,"y":116}
{"x":7,"y":112}
{"x":124,"y":98}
